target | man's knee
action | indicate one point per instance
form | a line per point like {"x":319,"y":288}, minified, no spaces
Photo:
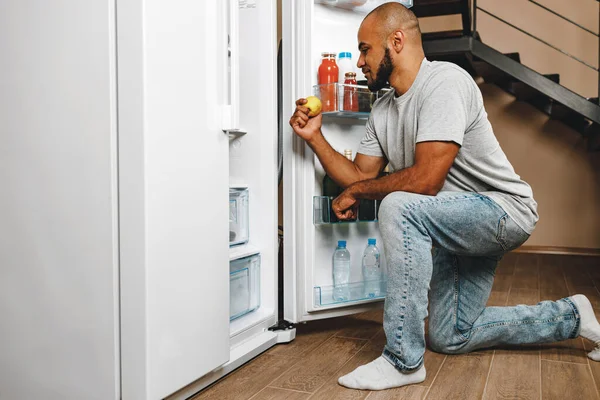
{"x":395,"y":204}
{"x":445,"y":342}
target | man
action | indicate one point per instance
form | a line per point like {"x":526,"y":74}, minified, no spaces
{"x":454,"y":189}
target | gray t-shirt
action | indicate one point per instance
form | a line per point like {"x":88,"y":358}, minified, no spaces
{"x":445,"y":104}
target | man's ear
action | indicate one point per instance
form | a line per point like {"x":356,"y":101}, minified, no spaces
{"x":398,"y":39}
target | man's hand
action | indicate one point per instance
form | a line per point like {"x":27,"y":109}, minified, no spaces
{"x":345,"y":206}
{"x":304,"y":126}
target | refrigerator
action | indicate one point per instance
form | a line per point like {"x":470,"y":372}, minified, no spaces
{"x":125,"y":125}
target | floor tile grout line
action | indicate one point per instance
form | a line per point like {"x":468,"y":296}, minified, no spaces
{"x":278,"y":388}
{"x":341,"y":366}
{"x":487,"y":378}
{"x":297,"y":361}
{"x":565,"y":362}
{"x":435,"y":377}
{"x":278,"y":376}
{"x":592,"y":374}
{"x":355,"y":338}
{"x":540,"y":371}
{"x":289,"y":390}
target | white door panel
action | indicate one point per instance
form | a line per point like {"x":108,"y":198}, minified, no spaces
{"x":174,"y":199}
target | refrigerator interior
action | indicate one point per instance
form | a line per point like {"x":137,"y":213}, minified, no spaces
{"x":335,"y":31}
{"x":320,"y":28}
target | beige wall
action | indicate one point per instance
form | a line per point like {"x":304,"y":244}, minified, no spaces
{"x":552,"y":158}
{"x":549,"y":156}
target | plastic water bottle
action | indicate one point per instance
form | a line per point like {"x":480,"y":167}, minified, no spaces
{"x":371,"y":270}
{"x":341,"y":272}
{"x":345,"y":65}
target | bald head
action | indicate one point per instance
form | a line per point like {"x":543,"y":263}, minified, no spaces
{"x":391,"y":51}
{"x":391,"y":17}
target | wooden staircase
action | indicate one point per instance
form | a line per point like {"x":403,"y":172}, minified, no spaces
{"x":465,"y":48}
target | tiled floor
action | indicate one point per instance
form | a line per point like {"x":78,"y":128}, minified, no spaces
{"x":308,"y":367}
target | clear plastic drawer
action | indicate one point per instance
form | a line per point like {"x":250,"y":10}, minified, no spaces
{"x":244,"y":282}
{"x":238,"y":216}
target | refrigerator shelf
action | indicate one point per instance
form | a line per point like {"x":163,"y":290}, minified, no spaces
{"x":241,"y":251}
{"x":347,"y":114}
{"x":322,"y":213}
{"x":353,"y":292}
{"x":347,"y":101}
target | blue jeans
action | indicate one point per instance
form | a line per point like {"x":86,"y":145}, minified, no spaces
{"x":470,"y":233}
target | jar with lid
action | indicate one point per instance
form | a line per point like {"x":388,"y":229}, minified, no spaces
{"x":350,"y":92}
{"x":328,"y":78}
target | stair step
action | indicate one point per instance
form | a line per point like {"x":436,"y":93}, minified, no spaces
{"x":569,"y":117}
{"x":433,"y":8}
{"x":489,"y":73}
{"x":461,"y":60}
{"x":553,"y":77}
{"x":441,"y":35}
{"x":513,"y":56}
{"x":524,"y":92}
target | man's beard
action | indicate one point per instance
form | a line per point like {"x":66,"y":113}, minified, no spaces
{"x":383,"y":73}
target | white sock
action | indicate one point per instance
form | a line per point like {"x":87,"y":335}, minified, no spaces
{"x":380,"y":374}
{"x":590,"y":328}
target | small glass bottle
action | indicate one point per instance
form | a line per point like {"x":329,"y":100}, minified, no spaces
{"x":350,"y":93}
{"x":328,"y":77}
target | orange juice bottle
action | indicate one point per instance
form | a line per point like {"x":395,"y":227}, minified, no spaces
{"x":328,"y":77}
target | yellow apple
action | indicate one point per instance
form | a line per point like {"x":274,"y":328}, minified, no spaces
{"x":314,"y":105}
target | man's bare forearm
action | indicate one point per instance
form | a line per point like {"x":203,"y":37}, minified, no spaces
{"x":338,"y":167}
{"x":411,"y":179}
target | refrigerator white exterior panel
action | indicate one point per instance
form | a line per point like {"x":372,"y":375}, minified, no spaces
{"x":59,"y":231}
{"x":174,"y":194}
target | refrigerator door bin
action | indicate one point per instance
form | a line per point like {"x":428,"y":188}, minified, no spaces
{"x":360,"y":104}
{"x":323,"y":214}
{"x":238,"y":216}
{"x":244,"y":290}
{"x":352,"y":293}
